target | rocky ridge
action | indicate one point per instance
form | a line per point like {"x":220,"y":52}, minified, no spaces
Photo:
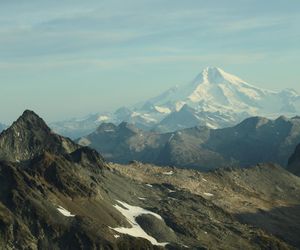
{"x":254,"y":140}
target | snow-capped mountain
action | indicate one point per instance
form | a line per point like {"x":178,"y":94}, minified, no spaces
{"x":214,"y":98}
{"x":221,"y":99}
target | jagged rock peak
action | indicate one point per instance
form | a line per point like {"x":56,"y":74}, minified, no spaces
{"x":30,"y":136}
{"x":30,"y":120}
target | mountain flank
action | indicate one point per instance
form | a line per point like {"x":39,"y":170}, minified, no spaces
{"x":265,"y":196}
{"x":294,"y":161}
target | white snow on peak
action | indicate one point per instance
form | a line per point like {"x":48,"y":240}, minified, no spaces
{"x":65,"y":212}
{"x":131,"y":213}
{"x":215,"y":91}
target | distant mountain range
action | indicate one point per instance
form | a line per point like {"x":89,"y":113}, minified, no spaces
{"x":215,"y":99}
{"x":253,"y":141}
{"x":56,"y":194}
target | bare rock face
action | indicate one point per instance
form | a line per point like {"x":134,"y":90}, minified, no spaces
{"x":294,"y":162}
{"x":28,"y":137}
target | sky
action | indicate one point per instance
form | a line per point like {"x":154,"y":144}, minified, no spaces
{"x":69,"y":58}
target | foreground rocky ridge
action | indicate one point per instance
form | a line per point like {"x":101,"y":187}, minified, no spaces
{"x":68,"y":197}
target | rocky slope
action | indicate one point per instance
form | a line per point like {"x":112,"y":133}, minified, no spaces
{"x":294,"y":161}
{"x":214,"y":98}
{"x":265,"y":196}
{"x":63,"y":196}
{"x":253,"y":141}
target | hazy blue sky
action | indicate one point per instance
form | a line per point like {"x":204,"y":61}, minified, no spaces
{"x":66,"y":58}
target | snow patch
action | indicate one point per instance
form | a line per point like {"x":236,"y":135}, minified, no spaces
{"x":210,"y":125}
{"x":102,"y":118}
{"x":141,"y":198}
{"x":168,"y":173}
{"x":65,"y":212}
{"x":131,"y":212}
{"x":171,"y":191}
{"x":163,"y":110}
{"x":171,"y":137}
{"x":108,"y":130}
{"x":179,"y":105}
{"x":84,"y":141}
{"x":208,"y":194}
{"x":149,"y":185}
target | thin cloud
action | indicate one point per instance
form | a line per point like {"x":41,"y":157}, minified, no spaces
{"x":131,"y":61}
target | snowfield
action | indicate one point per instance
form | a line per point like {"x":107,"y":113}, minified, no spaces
{"x":132,"y":212}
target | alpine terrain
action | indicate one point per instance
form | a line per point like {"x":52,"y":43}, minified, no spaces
{"x":254,"y":140}
{"x":55,"y":194}
{"x":215,"y":99}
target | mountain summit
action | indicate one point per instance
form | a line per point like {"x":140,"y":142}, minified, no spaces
{"x":216,"y":75}
{"x":211,"y":90}
{"x":29,"y":136}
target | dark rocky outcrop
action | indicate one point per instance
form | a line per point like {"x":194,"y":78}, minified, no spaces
{"x":294,"y":162}
{"x":29,"y":136}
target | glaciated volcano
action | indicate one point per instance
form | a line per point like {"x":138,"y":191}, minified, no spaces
{"x":214,"y":98}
